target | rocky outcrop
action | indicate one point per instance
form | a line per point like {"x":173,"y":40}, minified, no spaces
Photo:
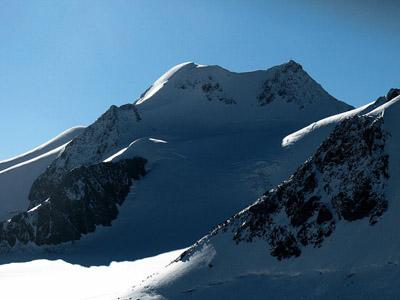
{"x":343,"y":181}
{"x":279,"y":86}
{"x":211,"y":89}
{"x":84,"y":198}
{"x":289,"y":83}
{"x":111,"y":131}
{"x":393,"y":93}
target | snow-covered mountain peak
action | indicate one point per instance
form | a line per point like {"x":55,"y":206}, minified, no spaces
{"x":197,"y":100}
{"x":192,"y":99}
{"x":170,"y":123}
{"x":291,"y":65}
{"x":182,"y":76}
{"x":287,"y":83}
{"x":159,"y":83}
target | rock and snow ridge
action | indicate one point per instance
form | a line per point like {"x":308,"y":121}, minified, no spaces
{"x":190,"y":108}
{"x":335,"y":217}
{"x":88,"y":196}
{"x":314,"y":134}
{"x":18,"y":174}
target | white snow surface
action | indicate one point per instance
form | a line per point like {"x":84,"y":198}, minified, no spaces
{"x":358,"y":261}
{"x":313,"y":134}
{"x":49,"y":280}
{"x":143,"y":147}
{"x":55,"y":142}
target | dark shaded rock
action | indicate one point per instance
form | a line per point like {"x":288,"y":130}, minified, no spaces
{"x":393,"y":93}
{"x":86,"y":197}
{"x":304,"y":211}
{"x":346,"y":177}
{"x":283,"y":244}
{"x":324,"y":215}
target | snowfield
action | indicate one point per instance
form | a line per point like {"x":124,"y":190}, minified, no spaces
{"x":49,"y":280}
{"x":54,"y":143}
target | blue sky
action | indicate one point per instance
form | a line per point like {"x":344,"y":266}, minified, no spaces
{"x":63,"y":63}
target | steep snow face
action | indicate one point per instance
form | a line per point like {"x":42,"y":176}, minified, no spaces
{"x":336,"y":216}
{"x":17,"y":174}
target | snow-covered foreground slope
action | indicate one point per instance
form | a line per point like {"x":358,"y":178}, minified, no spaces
{"x":211,"y":139}
{"x":329,"y":231}
{"x":49,"y":280}
{"x":18,"y":174}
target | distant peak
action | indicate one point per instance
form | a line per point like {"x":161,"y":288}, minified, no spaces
{"x":293,"y":63}
{"x":291,"y":66}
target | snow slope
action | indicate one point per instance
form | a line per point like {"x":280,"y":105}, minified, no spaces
{"x":315,"y":133}
{"x":17,"y":174}
{"x":54,"y":143}
{"x":218,"y":128}
{"x":329,"y":231}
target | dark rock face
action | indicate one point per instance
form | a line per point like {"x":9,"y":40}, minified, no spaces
{"x":290,"y":84}
{"x":343,"y":181}
{"x":98,"y":141}
{"x":212,"y":90}
{"x":393,"y":93}
{"x":85,"y":197}
{"x":282,"y":84}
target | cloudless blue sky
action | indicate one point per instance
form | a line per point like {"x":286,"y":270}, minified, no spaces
{"x":63,"y":63}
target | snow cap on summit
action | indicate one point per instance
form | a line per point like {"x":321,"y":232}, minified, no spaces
{"x":159,"y":83}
